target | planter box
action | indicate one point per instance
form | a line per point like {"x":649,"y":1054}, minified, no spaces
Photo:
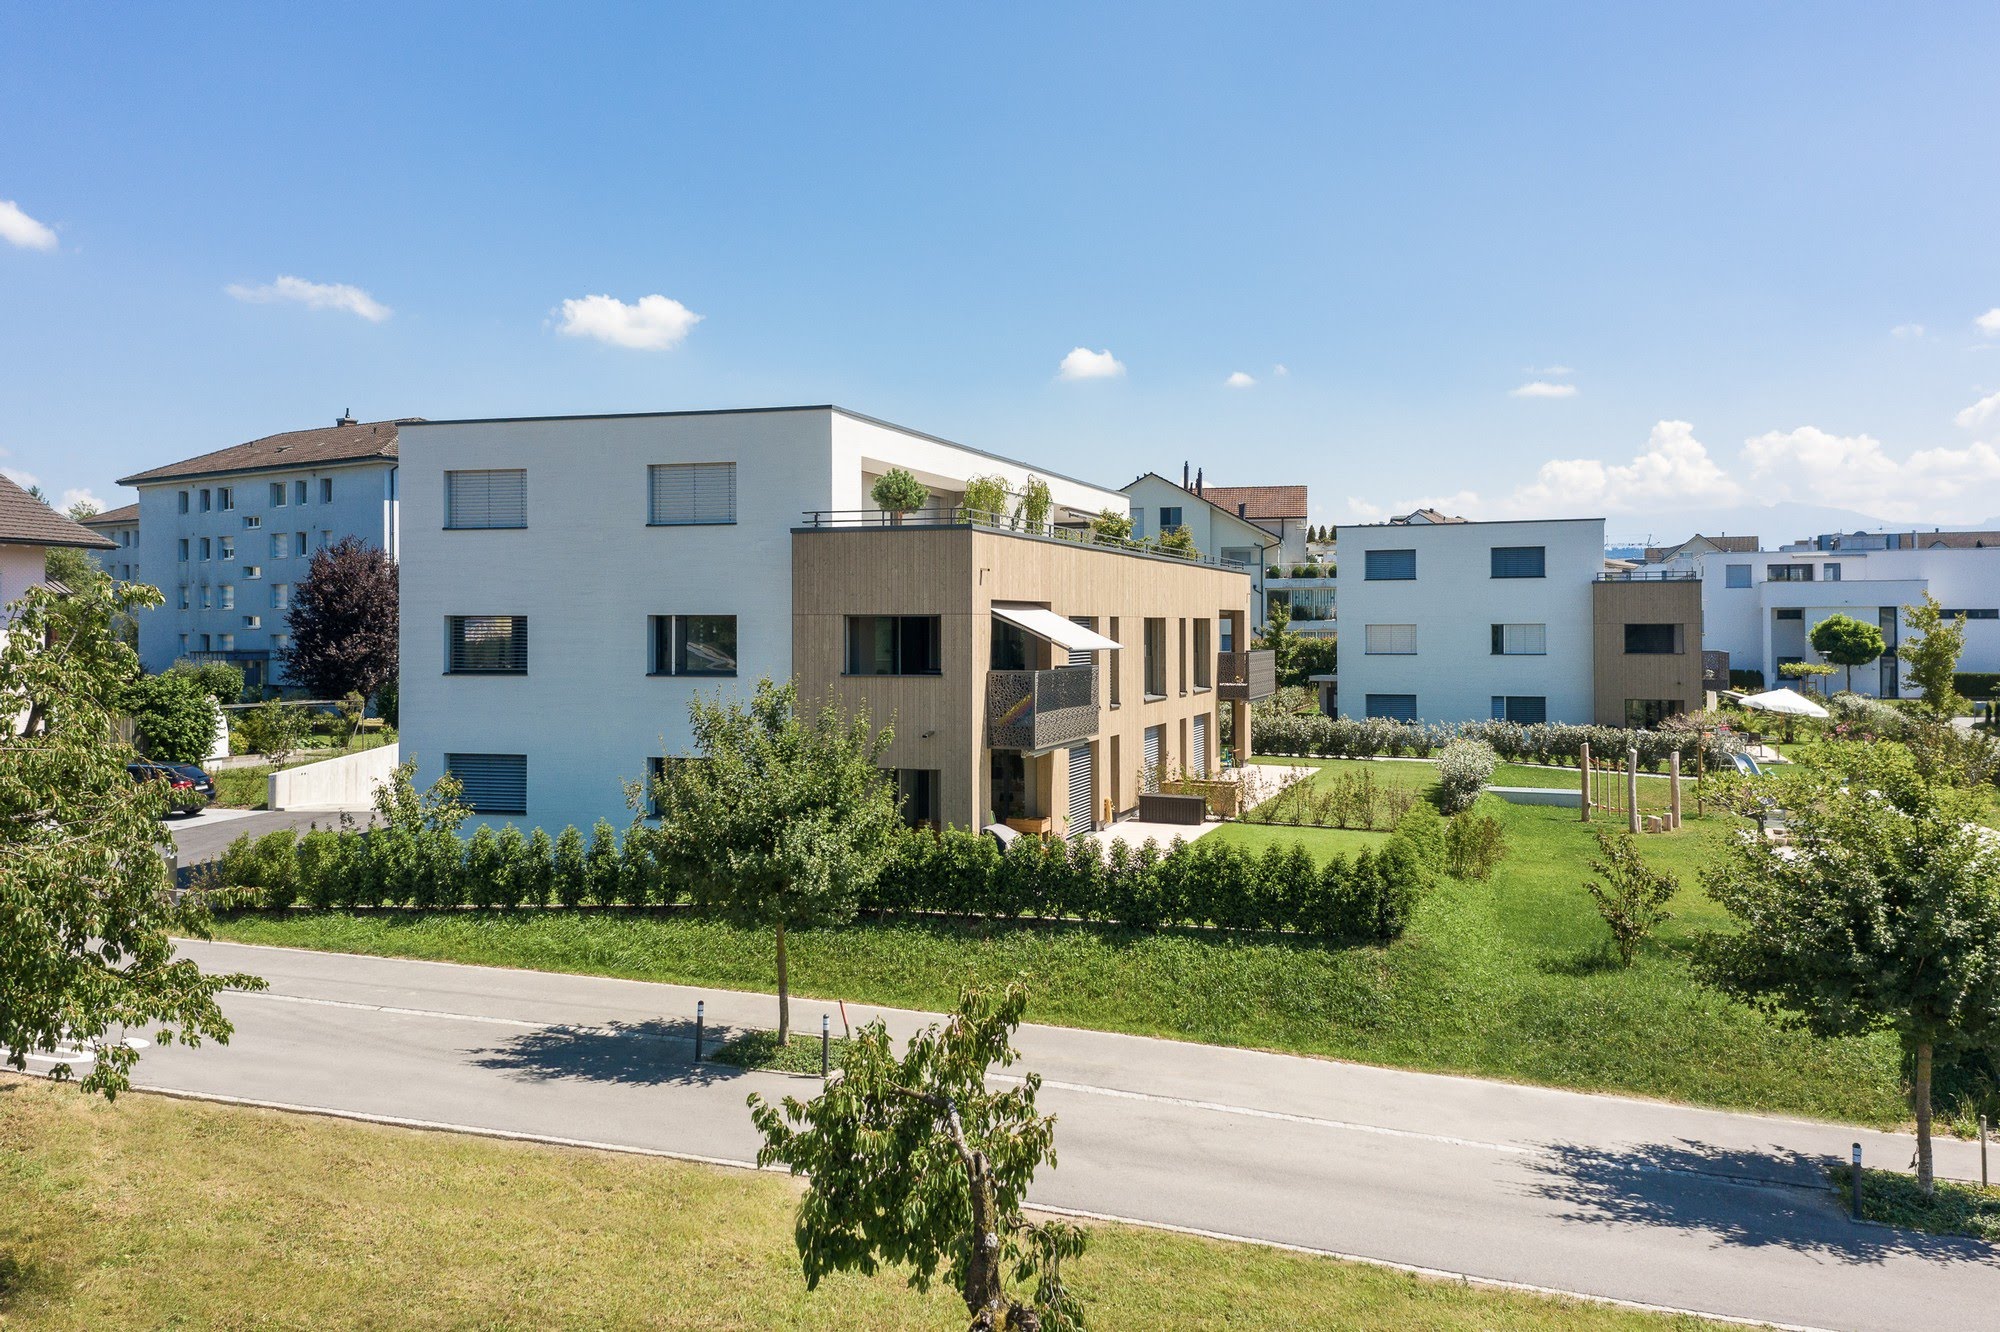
{"x":1155,"y":807}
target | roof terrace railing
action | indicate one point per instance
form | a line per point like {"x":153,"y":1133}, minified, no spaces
{"x":1079,"y":533}
{"x":1650,"y":576}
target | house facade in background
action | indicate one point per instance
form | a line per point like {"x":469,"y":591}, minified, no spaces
{"x":28,"y":529}
{"x":1159,"y":505}
{"x":227,"y":537}
{"x":121,"y":528}
{"x":1030,"y":676}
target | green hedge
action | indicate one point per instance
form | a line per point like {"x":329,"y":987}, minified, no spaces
{"x":1320,"y":736}
{"x":1209,"y":883}
{"x":1977,"y":684}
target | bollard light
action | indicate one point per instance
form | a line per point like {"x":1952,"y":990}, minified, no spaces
{"x":1857,"y":1182}
{"x":700,"y":1012}
{"x":825,"y":1044}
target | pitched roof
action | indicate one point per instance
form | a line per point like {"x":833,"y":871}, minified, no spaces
{"x":112,"y":517}
{"x":1424,"y":516}
{"x":1258,"y":501}
{"x":1735,"y":545}
{"x":344,"y":442}
{"x":1196,"y":496}
{"x":26,"y":521}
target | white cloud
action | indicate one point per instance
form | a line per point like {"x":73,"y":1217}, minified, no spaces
{"x":1280,"y":370}
{"x":1239,"y":380}
{"x":17,"y":228}
{"x":1907,"y":331}
{"x":1989,"y":323}
{"x":81,"y":495}
{"x":26,"y":480}
{"x":1542,"y":388}
{"x":1984,"y":410}
{"x":1856,"y":472}
{"x":1552,"y":371}
{"x":314,"y":296}
{"x":1083,"y":363}
{"x":652,"y":323}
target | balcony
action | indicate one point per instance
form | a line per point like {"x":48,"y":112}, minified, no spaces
{"x":1245,"y":677}
{"x":1036,"y":711}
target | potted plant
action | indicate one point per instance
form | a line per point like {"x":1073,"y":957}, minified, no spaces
{"x":896,"y":493}
{"x":1036,"y":502}
{"x":985,"y":501}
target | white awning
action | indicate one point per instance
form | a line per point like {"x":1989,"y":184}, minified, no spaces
{"x":1045,"y":623}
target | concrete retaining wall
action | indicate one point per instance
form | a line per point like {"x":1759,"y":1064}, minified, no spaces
{"x":1540,"y":795}
{"x":347,"y":782}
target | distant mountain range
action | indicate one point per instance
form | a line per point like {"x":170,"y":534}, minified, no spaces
{"x":1773,"y":524}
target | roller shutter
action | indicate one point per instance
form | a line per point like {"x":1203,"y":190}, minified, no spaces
{"x":1082,"y":797}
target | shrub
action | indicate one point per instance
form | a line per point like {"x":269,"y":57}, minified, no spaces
{"x":602,"y":868}
{"x":1854,"y":716}
{"x":512,"y":875}
{"x":324,"y":865}
{"x":897,"y":491}
{"x":985,"y":498}
{"x":173,"y":716}
{"x":1751,"y":681}
{"x":1464,"y":768}
{"x":572,"y":879}
{"x":482,"y":870}
{"x":218,"y":679}
{"x":273,"y":730}
{"x":1977,"y":684}
{"x":535,"y":876}
{"x":1633,"y":898}
{"x":1474,"y":844}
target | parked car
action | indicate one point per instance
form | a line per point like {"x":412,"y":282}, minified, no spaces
{"x":189,"y":789}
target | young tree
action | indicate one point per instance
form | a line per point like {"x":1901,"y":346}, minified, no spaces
{"x":343,"y":622}
{"x":916,"y":1162}
{"x":86,"y":917}
{"x":896,"y":492}
{"x":1282,"y":643}
{"x":1111,"y":526}
{"x":985,"y":498}
{"x":1808,"y":672}
{"x":1633,"y":898}
{"x":274,"y":730}
{"x":1880,"y":914}
{"x":1846,"y":641}
{"x":782,"y":820}
{"x":1931,"y":658}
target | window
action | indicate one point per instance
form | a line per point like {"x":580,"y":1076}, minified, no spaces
{"x":228,"y":547}
{"x":228,"y":591}
{"x":1204,"y":656}
{"x":1113,"y":662}
{"x":1789,"y":613}
{"x":281,"y":596}
{"x":893,"y":645}
{"x":1389,"y":640}
{"x":225,"y":497}
{"x":207,"y":500}
{"x":253,"y":571}
{"x":225,"y":642}
{"x":1736,"y":575}
{"x":205,"y":643}
{"x":277,"y":494}
{"x":184,"y":645}
{"x":1170,"y":518}
{"x":281,"y":545}
{"x":1528,"y":709}
{"x":493,"y":498}
{"x":1391,"y":566}
{"x":253,"y":622}
{"x":1831,"y":574}
{"x":299,"y":491}
{"x":207,"y":548}
{"x":280,"y":642}
{"x":491,"y":783}
{"x":207,"y":596}
{"x":1520,"y":561}
{"x":686,"y":494}
{"x":1789,"y":573}
{"x":488,"y":644}
{"x":1243,"y":555}
{"x":1396,"y":707}
{"x":1989,"y":613}
{"x":1652,"y":640}
{"x":693,"y":644}
{"x":326,"y":490}
{"x":252,"y":521}
{"x":299,"y":544}
{"x":1138,"y":524}
{"x":917,"y":796}
{"x":1644,"y":714}
{"x":1520,"y":640}
{"x":1156,"y":657}
{"x":1181,"y":650}
{"x":184,"y":550}
{"x":183,"y":604}
{"x":184,"y":501}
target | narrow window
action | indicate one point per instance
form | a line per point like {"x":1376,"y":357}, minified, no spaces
{"x":1204,"y":658}
{"x":299,"y":491}
{"x":228,"y":591}
{"x":1114,"y":661}
{"x":184,"y":550}
{"x":491,"y":783}
{"x":207,"y":548}
{"x":1156,"y":657}
{"x":207,"y":500}
{"x":281,"y":596}
{"x":228,"y":547}
{"x":1389,"y":566}
{"x":184,"y":501}
{"x":277,"y":494}
{"x":326,"y":490}
{"x":1520,"y":561}
{"x":225,"y":498}
{"x":1832,"y":573}
{"x":281,"y":545}
{"x":690,"y":494}
{"x":496,"y":497}
{"x":488,"y":644}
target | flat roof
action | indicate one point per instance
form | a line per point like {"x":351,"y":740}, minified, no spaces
{"x":1465,"y":522}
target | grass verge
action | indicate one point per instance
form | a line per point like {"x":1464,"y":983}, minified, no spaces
{"x":160,"y":1213}
{"x":760,"y":1049}
{"x":1895,"y":1200}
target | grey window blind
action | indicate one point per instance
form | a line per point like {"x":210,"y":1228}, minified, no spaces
{"x":491,"y":498}
{"x":493,"y":783}
{"x":1396,"y":707}
{"x":1520,"y":561}
{"x":1390,"y":565}
{"x":491,"y":644}
{"x":682,"y":494}
{"x":1396,"y":640}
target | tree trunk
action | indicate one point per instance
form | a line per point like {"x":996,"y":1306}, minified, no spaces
{"x":1920,"y":1096}
{"x":784,"y":993}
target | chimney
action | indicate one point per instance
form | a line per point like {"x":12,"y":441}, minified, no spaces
{"x":346,"y":418}
{"x":1197,"y":480}
{"x":1184,"y":476}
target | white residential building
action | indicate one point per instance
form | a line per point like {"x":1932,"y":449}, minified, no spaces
{"x":225,"y":536}
{"x":1159,"y":505}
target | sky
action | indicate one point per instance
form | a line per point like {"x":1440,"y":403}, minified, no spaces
{"x":1515,"y":261}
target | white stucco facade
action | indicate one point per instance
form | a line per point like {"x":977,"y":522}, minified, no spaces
{"x":589,"y":573}
{"x":1432,"y":634}
{"x":1216,"y":532}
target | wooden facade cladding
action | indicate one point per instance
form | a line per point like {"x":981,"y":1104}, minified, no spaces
{"x":1621,"y":675}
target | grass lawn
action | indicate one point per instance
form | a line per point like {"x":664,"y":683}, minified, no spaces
{"x":159,"y":1213}
{"x":1509,"y":978}
{"x":760,"y":1049}
{"x":1894,"y":1199}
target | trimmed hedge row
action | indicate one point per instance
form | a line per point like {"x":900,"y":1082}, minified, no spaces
{"x":1319,"y":736}
{"x":1977,"y":684}
{"x":1211,"y":884}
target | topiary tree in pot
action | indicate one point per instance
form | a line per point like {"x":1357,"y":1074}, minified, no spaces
{"x":896,"y":492}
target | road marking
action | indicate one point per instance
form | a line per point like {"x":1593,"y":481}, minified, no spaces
{"x":1434,"y":1273}
{"x":718,"y":1032}
{"x":62,"y":1056}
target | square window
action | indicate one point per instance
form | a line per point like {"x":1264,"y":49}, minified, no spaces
{"x":690,"y":494}
{"x":491,"y":783}
{"x":1736,"y":575}
{"x":1520,"y":562}
{"x":488,"y":644}
{"x":1170,"y":518}
{"x":496,"y":497}
{"x":1389,"y":566}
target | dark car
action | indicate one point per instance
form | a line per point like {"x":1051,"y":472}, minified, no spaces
{"x":184,"y":783}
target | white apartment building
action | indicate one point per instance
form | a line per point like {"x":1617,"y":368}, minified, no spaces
{"x":1459,"y":621}
{"x":227,"y":536}
{"x":1160,"y":505}
{"x":121,"y":528}
{"x":1760,"y":606}
{"x":570,"y":583}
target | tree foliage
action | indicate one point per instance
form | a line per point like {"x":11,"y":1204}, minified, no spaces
{"x":782,"y":820}
{"x":897,"y":491}
{"x":1110,"y":525}
{"x":86,"y":915}
{"x":1880,"y":914}
{"x":173,"y":716}
{"x":985,"y":498}
{"x":275,"y":730}
{"x":1036,"y":503}
{"x":343,"y":622}
{"x":1633,"y":897}
{"x":1931,"y":658}
{"x":1177,"y":541}
{"x":220,"y":680}
{"x":916,"y":1162}
{"x":1846,"y":641}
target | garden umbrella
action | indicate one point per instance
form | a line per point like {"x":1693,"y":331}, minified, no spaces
{"x":1787,"y":704}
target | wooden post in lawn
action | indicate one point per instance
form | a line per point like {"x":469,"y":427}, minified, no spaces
{"x":1632,"y":789}
{"x":1700,"y":771}
{"x":1674,"y":793}
{"x":1583,"y":761}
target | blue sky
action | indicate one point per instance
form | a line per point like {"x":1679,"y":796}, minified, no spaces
{"x":1746,"y":249}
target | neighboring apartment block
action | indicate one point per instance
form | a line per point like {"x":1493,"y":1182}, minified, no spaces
{"x":227,"y":536}
{"x":1449,"y":621}
{"x":121,"y":528}
{"x":28,"y":528}
{"x":571,"y":583}
{"x":1160,"y":505}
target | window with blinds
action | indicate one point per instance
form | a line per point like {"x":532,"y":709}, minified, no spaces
{"x":493,"y":497}
{"x":1389,"y":565}
{"x":1529,"y":710}
{"x":1520,"y":561}
{"x":690,"y":494}
{"x":492,"y":783}
{"x":1396,"y":707}
{"x":1390,"y":640}
{"x":488,"y":644}
{"x":1520,"y":640}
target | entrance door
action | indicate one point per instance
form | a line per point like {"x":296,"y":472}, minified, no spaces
{"x":1082,"y":796}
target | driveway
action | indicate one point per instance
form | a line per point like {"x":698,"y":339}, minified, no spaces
{"x":204,"y":837}
{"x":1605,"y":1196}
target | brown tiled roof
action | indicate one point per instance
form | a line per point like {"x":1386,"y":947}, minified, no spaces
{"x":112,"y":517}
{"x":26,"y":521}
{"x":1953,"y":540}
{"x":294,"y":448}
{"x":1424,"y":516}
{"x":1259,"y":501}
{"x":1735,"y":545}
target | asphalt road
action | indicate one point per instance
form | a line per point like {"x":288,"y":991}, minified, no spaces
{"x":204,"y":837}
{"x":1627,"y":1199}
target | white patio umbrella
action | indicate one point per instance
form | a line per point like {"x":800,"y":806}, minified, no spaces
{"x":1786,"y":702}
